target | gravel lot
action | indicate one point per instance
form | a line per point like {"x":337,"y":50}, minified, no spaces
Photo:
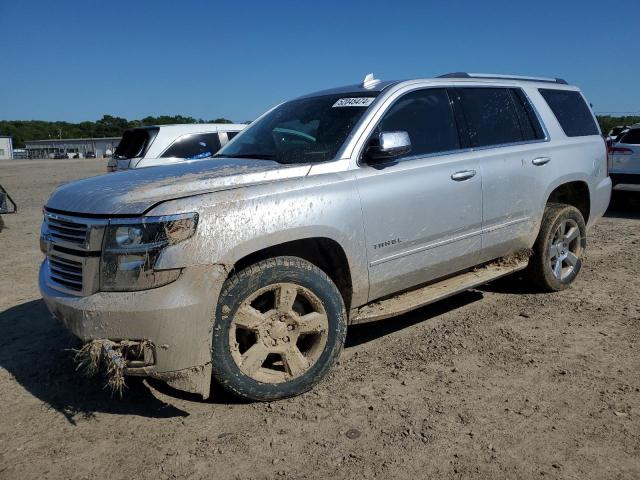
{"x":499,"y":382}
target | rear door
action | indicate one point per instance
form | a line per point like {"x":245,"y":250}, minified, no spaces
{"x":509,"y":144}
{"x":422,"y":212}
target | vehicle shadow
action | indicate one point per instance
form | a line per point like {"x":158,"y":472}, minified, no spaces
{"x":514,"y":284}
{"x":367,"y":332}
{"x":38,"y":353}
{"x":624,"y":205}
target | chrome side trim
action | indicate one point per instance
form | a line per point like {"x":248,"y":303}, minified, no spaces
{"x":505,"y":224}
{"x":422,"y":248}
{"x":440,"y":243}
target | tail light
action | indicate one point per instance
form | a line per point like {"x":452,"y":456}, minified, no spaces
{"x":619,"y":151}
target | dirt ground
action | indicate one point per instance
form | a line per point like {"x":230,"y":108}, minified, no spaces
{"x":499,"y":382}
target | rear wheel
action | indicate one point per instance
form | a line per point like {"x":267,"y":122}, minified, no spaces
{"x":557,"y":253}
{"x":280,"y":326}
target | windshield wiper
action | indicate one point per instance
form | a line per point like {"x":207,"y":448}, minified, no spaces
{"x":253,"y":156}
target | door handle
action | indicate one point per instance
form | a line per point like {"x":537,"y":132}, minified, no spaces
{"x":541,"y":161}
{"x":463,"y":175}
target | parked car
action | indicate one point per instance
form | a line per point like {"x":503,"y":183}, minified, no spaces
{"x":624,"y":160}
{"x":90,"y":154}
{"x":60,"y":155}
{"x":615,"y":132}
{"x":343,"y":206}
{"x":165,"y":144}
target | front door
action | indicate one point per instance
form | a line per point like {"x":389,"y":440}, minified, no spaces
{"x":422,"y":212}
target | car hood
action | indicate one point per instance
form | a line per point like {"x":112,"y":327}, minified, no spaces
{"x":133,"y":192}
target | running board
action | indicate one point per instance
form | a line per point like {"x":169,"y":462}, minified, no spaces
{"x":412,"y":299}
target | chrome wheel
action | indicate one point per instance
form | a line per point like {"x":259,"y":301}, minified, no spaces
{"x":278,"y":333}
{"x":565,"y":249}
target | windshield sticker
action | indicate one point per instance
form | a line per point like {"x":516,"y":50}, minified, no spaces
{"x":354,"y":102}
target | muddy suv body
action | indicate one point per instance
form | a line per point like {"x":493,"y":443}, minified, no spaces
{"x":342,"y":206}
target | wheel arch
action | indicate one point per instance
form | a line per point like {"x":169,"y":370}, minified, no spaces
{"x":324,"y":251}
{"x":573,"y":192}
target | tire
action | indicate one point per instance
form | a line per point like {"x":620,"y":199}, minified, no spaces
{"x":280,"y":325}
{"x":557,"y":253}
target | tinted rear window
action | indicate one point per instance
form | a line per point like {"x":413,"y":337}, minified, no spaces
{"x":632,"y":137}
{"x":194,"y":146}
{"x":491,"y":116}
{"x":572,"y":112}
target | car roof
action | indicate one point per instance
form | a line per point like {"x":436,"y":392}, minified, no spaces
{"x":462,"y":78}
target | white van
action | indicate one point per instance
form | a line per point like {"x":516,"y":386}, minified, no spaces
{"x":165,"y":144}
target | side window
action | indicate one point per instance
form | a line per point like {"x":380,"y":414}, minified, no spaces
{"x":427,"y":117}
{"x":529,"y":123}
{"x":572,"y":112}
{"x":632,"y":137}
{"x":491,"y":116}
{"x":230,"y":135}
{"x":196,"y":145}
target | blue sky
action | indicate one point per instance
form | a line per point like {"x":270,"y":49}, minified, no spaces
{"x":77,"y":60}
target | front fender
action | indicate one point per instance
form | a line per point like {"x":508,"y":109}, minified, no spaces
{"x":238,"y":222}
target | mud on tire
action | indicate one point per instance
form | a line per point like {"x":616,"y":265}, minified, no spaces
{"x":279,"y":327}
{"x":557,"y":253}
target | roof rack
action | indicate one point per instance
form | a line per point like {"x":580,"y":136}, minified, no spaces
{"x":502,"y":77}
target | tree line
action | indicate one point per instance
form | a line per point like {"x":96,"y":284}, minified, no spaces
{"x":110,"y":126}
{"x":607,"y":122}
{"x":107,"y":126}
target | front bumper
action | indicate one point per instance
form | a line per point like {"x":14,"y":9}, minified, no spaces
{"x":176,"y":318}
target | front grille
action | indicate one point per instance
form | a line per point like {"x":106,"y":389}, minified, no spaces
{"x":65,"y":272}
{"x":68,"y":231}
{"x":72,"y":245}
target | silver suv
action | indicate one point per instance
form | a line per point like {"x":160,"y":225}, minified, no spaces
{"x":347,"y":205}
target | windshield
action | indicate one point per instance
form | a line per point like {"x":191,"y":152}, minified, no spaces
{"x":301,"y":131}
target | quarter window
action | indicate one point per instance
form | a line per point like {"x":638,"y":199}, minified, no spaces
{"x":572,"y":112}
{"x":194,"y":146}
{"x":427,"y":117}
{"x":491,"y":116}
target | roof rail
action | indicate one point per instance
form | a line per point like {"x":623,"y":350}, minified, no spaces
{"x":502,"y":77}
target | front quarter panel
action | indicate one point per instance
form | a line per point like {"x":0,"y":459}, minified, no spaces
{"x":237,"y":222}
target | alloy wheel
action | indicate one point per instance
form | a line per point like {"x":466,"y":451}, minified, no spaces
{"x":278,"y":333}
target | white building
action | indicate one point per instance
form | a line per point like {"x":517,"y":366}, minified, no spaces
{"x":6,"y":148}
{"x":101,"y":147}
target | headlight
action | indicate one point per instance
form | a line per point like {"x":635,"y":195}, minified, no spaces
{"x":131,"y":248}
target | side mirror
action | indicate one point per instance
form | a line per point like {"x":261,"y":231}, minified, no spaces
{"x":388,"y":145}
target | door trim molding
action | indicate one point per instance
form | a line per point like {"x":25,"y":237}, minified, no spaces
{"x":440,"y":243}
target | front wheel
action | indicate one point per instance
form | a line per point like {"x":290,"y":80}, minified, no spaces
{"x":557,"y":253}
{"x":280,"y":325}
